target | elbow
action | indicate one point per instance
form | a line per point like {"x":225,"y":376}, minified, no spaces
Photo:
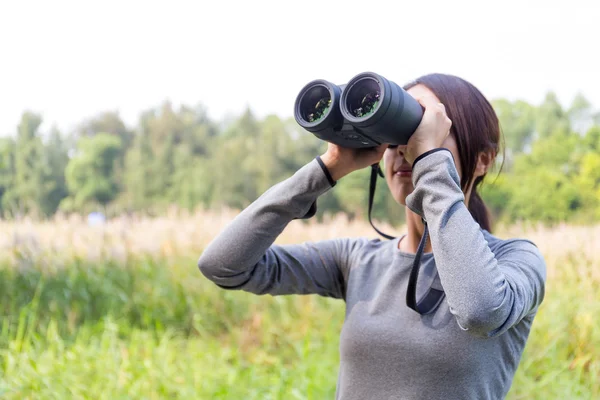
{"x":476,"y":325}
{"x":482,"y":322}
{"x":488,"y":316}
{"x":212,"y":269}
{"x":220,"y":275}
{"x":207,"y":268}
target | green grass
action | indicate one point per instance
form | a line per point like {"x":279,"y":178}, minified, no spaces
{"x":157,"y":329}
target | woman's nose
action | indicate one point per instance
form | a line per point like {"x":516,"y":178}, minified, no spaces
{"x":401,"y":149}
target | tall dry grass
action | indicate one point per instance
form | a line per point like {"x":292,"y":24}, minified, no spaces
{"x":176,"y":233}
{"x":180,"y":232}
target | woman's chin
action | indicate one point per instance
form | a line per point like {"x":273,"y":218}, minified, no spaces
{"x":400,"y":188}
{"x":401,"y":198}
{"x":400,"y":194}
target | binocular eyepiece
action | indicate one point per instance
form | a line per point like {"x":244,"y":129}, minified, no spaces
{"x":367,"y":111}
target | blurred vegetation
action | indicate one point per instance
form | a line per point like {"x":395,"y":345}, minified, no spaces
{"x":550,"y":169}
{"x":153,"y":328}
{"x":146,"y":325}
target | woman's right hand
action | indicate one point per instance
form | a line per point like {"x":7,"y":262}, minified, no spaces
{"x":340,"y":161}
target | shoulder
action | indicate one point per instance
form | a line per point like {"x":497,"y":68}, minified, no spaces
{"x":371,"y":246}
{"x":358,"y":245}
{"x":367,"y":251}
{"x":352,"y":249}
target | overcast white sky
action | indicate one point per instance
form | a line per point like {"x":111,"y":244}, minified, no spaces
{"x":70,"y":60}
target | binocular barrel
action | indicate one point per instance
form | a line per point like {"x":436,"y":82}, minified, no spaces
{"x":367,"y":111}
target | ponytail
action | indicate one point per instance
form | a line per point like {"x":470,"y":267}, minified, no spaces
{"x":478,"y":209}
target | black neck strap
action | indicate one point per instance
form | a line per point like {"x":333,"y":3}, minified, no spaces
{"x":433,"y":297}
{"x":375,"y":170}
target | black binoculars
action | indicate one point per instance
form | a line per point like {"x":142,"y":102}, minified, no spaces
{"x":367,"y":111}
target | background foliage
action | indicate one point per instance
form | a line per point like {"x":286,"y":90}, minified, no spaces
{"x":181,"y":157}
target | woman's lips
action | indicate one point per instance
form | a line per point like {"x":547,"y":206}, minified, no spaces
{"x":404,"y":173}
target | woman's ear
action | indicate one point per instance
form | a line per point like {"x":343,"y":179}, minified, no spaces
{"x":484,"y":162}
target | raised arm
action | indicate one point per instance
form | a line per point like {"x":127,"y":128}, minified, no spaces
{"x":243,"y":256}
{"x":488,"y":292}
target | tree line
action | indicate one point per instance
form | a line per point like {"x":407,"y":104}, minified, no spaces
{"x":180,"y":157}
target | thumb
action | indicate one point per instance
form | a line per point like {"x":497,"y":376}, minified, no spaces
{"x":379,"y":150}
{"x":382,"y":148}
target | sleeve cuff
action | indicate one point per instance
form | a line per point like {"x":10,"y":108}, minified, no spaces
{"x":422,"y":156}
{"x":326,"y":171}
{"x":316,"y":179}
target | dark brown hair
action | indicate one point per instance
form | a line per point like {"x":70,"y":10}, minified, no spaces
{"x":475,"y":127}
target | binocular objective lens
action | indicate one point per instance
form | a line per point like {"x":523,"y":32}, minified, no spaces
{"x":367,"y":105}
{"x":319,"y":109}
{"x":315,"y":104}
{"x":363,"y":97}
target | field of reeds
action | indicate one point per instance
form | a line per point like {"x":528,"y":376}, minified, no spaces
{"x":120,"y":311}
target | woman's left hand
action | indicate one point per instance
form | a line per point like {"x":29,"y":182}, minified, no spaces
{"x":431,"y":132}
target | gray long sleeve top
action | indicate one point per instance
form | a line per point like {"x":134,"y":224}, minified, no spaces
{"x":468,"y":348}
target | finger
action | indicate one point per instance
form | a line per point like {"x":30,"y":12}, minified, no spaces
{"x":382,"y":147}
{"x":429,"y":102}
{"x":432,"y":104}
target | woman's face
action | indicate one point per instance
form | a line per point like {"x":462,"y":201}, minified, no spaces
{"x":398,"y":171}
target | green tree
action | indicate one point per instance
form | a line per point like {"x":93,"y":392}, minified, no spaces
{"x":32,"y":175}
{"x":581,"y":114}
{"x":588,"y":183}
{"x":56,"y":150}
{"x":543,"y":187}
{"x":110,"y":123}
{"x":551,"y":117}
{"x":517,"y":121}
{"x":192,"y":182}
{"x":90,"y":173}
{"x":545,"y":196}
{"x":107,"y":122}
{"x":235,"y":164}
{"x":138,"y":174}
{"x":588,"y":179}
{"x":7,"y":172}
{"x":496,"y":191}
{"x":592,"y":139}
{"x":167,"y":163}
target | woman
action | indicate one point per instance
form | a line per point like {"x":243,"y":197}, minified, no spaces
{"x":468,"y":344}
